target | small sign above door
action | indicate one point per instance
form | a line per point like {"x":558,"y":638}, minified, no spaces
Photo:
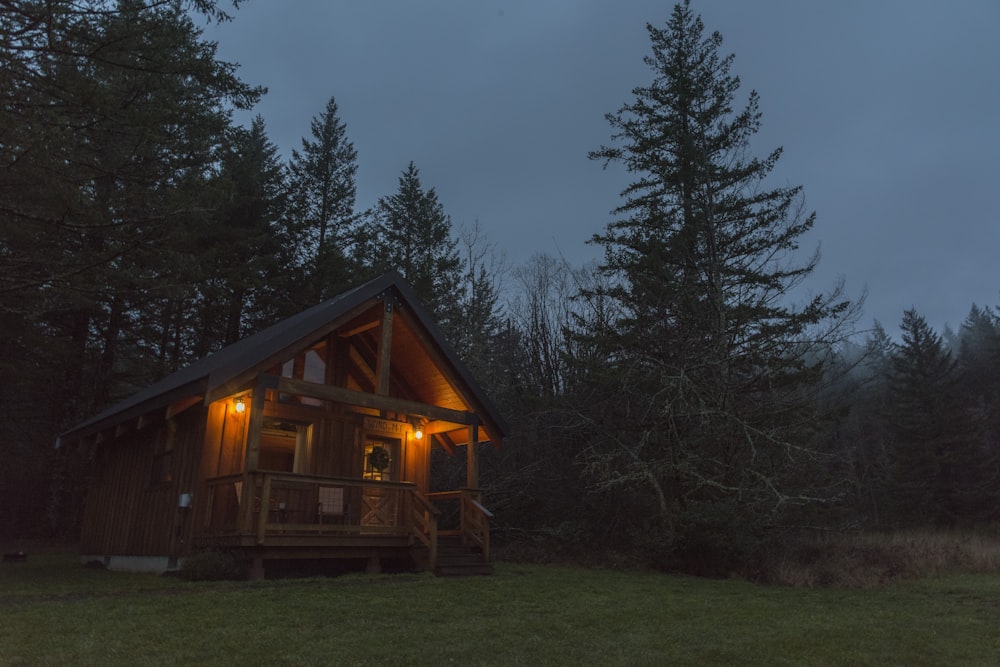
{"x":385,"y":426}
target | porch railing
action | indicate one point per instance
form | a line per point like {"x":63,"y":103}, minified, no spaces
{"x":265,"y":504}
{"x":294,"y":504}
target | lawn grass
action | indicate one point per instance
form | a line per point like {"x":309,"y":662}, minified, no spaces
{"x":55,"y":612}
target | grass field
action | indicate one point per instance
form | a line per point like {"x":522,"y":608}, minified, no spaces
{"x":55,"y":612}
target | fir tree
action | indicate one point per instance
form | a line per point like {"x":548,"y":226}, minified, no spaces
{"x":979,"y":376}
{"x":321,"y":216}
{"x":409,"y":232}
{"x":244,"y":255}
{"x":110,"y":117}
{"x":711,"y":365}
{"x":930,"y":432}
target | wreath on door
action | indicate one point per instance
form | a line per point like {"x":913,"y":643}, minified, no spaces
{"x":378,"y":458}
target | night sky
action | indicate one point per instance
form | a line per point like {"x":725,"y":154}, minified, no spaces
{"x":888,"y":112}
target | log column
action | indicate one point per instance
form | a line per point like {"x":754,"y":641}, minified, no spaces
{"x":255,"y":423}
{"x":384,"y":348}
{"x":471,"y":457}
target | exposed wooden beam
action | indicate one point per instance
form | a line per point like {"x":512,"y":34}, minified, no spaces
{"x":244,"y":377}
{"x":151,"y":408}
{"x":351,"y":397}
{"x":256,"y":421}
{"x":363,"y":350}
{"x":359,"y":329}
{"x":433,"y":427}
{"x":384,"y":350}
{"x":444,"y":439}
{"x":471,"y":457}
{"x":362,"y":365}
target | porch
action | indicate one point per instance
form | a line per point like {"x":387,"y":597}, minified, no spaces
{"x":266,"y":515}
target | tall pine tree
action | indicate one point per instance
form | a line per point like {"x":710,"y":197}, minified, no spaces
{"x":979,"y":374}
{"x":409,"y":232}
{"x":705,"y":420}
{"x":244,"y":253}
{"x":110,"y":114}
{"x":321,"y":214}
{"x":931,"y":435}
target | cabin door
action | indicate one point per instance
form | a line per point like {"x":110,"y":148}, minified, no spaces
{"x":380,"y":505}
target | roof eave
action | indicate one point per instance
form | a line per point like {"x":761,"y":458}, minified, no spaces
{"x":102,"y":422}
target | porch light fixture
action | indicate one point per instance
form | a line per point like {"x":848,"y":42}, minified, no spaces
{"x":418,"y":433}
{"x":418,"y":427}
{"x":239,"y":405}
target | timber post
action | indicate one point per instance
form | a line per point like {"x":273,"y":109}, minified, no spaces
{"x":471,"y":458}
{"x":384,"y":349}
{"x":254,"y":425}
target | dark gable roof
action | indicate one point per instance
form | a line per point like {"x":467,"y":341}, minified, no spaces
{"x":219,"y":368}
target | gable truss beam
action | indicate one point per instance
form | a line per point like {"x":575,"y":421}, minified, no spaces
{"x":365,"y":350}
{"x":384,"y":348}
{"x":351,"y":397}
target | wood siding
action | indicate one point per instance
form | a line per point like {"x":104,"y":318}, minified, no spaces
{"x":128,"y":511}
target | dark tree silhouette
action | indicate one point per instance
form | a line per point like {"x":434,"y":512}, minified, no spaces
{"x":702,"y":407}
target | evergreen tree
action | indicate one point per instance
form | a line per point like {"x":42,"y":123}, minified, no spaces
{"x":930,"y":432}
{"x":243,"y":252}
{"x":979,"y":358}
{"x":979,"y":376}
{"x":409,"y":232}
{"x":111,"y":122}
{"x":322,"y":207}
{"x":110,"y":114}
{"x":708,"y":364}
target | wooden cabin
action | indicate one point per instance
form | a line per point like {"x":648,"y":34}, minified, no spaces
{"x":308,"y":440}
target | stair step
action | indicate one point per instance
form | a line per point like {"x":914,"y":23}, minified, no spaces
{"x":456,"y":559}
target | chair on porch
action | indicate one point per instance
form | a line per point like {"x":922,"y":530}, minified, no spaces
{"x":330,"y":506}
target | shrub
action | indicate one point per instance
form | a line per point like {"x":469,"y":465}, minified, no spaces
{"x":717,"y":539}
{"x":211,"y":565}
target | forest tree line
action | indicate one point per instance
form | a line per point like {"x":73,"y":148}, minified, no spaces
{"x":670,"y":404}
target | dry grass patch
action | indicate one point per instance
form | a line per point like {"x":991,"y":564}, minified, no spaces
{"x":869,"y":560}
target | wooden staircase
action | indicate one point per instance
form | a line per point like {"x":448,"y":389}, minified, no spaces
{"x":455,"y":559}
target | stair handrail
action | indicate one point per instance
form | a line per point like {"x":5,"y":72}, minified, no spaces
{"x":475,"y":521}
{"x":424,"y":523}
